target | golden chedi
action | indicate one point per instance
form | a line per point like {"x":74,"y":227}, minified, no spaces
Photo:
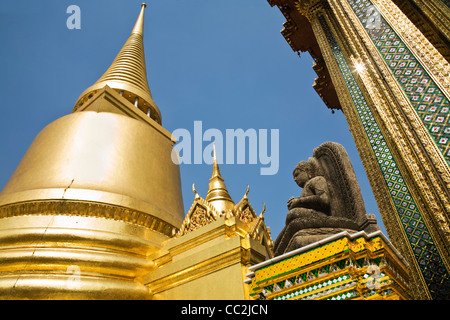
{"x":95,"y":195}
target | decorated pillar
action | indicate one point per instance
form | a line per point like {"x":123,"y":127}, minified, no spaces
{"x":393,"y":87}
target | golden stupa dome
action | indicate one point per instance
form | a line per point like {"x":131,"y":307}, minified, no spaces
{"x":95,"y":195}
{"x":105,"y":156}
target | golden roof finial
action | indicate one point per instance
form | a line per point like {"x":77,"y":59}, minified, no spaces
{"x":217,"y":194}
{"x":128,"y":75}
{"x":139,"y":26}
{"x":195,"y":191}
{"x":216,"y":171}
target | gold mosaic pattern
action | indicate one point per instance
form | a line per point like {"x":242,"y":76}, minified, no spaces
{"x":302,"y":260}
{"x":339,"y":270}
{"x":423,"y":93}
{"x":425,"y":251}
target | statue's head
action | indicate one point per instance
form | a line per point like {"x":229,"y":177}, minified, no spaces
{"x":304,"y":171}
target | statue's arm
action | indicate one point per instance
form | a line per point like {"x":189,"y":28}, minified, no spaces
{"x":316,"y":198}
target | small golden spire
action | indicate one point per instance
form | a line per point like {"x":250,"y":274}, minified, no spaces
{"x":128,"y":75}
{"x":216,"y":171}
{"x":217,"y":194}
{"x":139,"y":26}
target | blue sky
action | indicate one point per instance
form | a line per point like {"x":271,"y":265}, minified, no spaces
{"x":222,"y":62}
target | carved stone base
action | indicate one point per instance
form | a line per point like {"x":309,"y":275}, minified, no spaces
{"x":307,"y":236}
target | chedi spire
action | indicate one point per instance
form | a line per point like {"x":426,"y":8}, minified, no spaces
{"x":128,"y":75}
{"x":217,"y":193}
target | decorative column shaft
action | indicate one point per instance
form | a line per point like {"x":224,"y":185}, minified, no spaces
{"x":393,"y":86}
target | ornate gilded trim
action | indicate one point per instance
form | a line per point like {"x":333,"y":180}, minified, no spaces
{"x":419,"y":87}
{"x":404,"y":203}
{"x":422,"y":49}
{"x":310,"y":8}
{"x":439,"y":12}
{"x":202,"y":213}
{"x":335,"y":269}
{"x":87,"y":209}
{"x":404,"y":128}
{"x":432,"y":18}
{"x":430,"y":175}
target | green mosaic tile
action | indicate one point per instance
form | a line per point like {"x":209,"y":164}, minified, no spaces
{"x":322,"y":287}
{"x":345,"y":296}
{"x":425,"y":252}
{"x":430,"y":103}
{"x":292,"y":280}
{"x":301,"y":277}
{"x":269,"y":288}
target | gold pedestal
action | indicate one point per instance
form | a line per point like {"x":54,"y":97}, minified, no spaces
{"x":209,"y":263}
{"x":342,"y":267}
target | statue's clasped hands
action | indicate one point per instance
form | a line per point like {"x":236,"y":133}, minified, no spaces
{"x":292,"y":203}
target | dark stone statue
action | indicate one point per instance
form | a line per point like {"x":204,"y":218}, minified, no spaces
{"x":331,"y":201}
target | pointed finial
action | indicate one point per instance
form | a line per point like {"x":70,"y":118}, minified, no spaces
{"x":217,"y":193}
{"x":139,"y":26}
{"x":216,"y":171}
{"x":128,"y":75}
{"x":195,"y":191}
{"x":263,"y":210}
{"x":246,"y":192}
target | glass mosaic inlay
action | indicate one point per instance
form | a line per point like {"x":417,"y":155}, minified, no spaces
{"x":319,"y":289}
{"x":348,"y":278}
{"x":425,"y":252}
{"x":429,"y":102}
